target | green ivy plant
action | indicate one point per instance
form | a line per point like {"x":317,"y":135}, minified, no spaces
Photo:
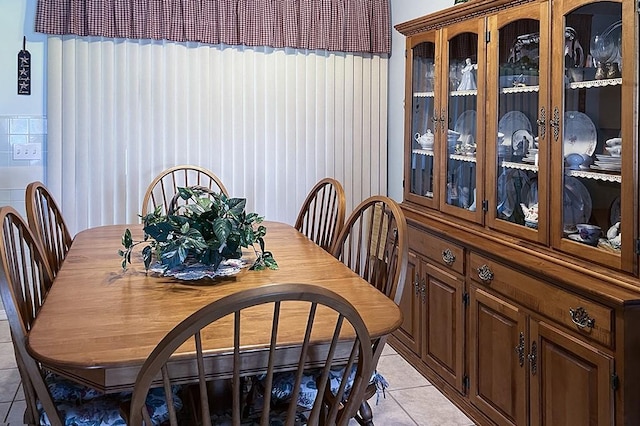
{"x":208,"y":229}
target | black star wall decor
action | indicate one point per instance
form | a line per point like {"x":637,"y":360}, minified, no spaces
{"x":24,"y":70}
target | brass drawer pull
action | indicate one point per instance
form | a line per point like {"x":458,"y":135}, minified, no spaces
{"x":484,"y":273}
{"x":581,"y":318}
{"x":448,"y":257}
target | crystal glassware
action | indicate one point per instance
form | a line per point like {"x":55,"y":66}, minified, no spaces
{"x":602,"y":49}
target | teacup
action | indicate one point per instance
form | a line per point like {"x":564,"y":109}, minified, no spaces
{"x":590,"y":234}
{"x":614,"y":150}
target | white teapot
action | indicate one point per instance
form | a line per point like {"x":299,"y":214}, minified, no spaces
{"x":425,"y":141}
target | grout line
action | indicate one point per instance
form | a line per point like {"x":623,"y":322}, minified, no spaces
{"x":402,"y":408}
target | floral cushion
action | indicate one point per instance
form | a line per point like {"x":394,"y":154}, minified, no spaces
{"x":283,"y":385}
{"x":62,"y":389}
{"x":253,"y":419}
{"x":103,"y":411}
{"x":83,"y":406}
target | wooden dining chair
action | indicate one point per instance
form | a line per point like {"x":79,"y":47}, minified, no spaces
{"x":24,"y":285}
{"x":347,"y":349}
{"x":47,"y":223}
{"x":162,"y":189}
{"x":374,"y":244}
{"x":322,"y":214}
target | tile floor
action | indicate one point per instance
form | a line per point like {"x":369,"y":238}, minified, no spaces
{"x":410,"y":399}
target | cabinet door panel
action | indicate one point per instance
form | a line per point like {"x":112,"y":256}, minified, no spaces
{"x":410,"y":305}
{"x":423,"y":127}
{"x":517,"y":107}
{"x":497,"y":368}
{"x":444,"y":322}
{"x":464,"y":78}
{"x":570,"y":383}
{"x":592,"y":170}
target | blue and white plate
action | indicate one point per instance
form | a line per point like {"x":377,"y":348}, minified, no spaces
{"x":198,"y":271}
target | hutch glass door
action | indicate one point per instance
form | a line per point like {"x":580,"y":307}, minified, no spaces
{"x":424,"y":124}
{"x":517,"y":132}
{"x":461,"y":166}
{"x":590,"y":138}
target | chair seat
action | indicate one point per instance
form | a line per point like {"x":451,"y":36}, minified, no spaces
{"x":283,"y":385}
{"x":84,"y":406}
{"x":275,"y":419}
{"x":103,"y":411}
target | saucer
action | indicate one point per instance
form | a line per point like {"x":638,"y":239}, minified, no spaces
{"x":578,"y":238}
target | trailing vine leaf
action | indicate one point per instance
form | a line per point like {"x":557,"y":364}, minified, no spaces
{"x":208,"y":228}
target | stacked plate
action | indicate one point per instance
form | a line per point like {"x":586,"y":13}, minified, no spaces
{"x":607,"y":163}
{"x":610,"y":159}
{"x":531,"y":156}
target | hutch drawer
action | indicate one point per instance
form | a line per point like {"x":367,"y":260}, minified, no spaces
{"x":587,"y":317}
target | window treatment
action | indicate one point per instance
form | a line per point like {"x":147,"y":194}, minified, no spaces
{"x":269,"y":122}
{"x":333,"y":25}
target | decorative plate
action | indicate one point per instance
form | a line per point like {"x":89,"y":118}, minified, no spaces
{"x":614,"y":212}
{"x":466,"y":123}
{"x":576,"y":203}
{"x":198,"y":271}
{"x":521,"y":141}
{"x":580,"y":134}
{"x":512,"y":122}
{"x":508,"y":198}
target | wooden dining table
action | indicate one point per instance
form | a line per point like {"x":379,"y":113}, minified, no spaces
{"x":99,"y":322}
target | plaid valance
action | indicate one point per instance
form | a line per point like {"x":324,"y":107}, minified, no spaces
{"x":334,"y":25}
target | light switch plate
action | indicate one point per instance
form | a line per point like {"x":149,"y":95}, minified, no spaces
{"x":27,"y":151}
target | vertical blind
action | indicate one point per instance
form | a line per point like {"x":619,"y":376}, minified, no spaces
{"x":270,"y":122}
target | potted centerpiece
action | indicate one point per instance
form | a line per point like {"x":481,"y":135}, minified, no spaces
{"x":202,"y":230}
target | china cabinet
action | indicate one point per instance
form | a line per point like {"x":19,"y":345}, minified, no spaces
{"x":521,"y":191}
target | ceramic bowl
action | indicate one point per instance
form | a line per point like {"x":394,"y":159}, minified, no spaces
{"x":574,"y":160}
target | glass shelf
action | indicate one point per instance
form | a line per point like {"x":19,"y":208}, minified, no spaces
{"x":428,"y":152}
{"x":424,"y":94}
{"x":520,"y":89}
{"x":462,"y":157}
{"x":595,"y":83}
{"x":606,"y":177}
{"x":464,"y":93}
{"x":519,"y":166}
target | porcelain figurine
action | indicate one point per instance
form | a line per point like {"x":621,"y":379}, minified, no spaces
{"x":468,"y":81}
